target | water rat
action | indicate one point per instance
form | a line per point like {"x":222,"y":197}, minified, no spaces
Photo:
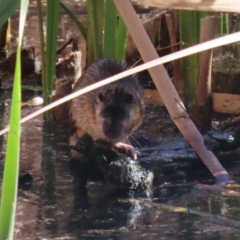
{"x":109,"y":113}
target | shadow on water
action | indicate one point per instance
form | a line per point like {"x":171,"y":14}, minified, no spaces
{"x":50,"y":209}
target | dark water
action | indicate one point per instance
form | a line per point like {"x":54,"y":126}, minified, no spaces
{"x":50,"y":209}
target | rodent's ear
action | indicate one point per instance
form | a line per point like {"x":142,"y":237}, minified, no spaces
{"x":101,"y":97}
{"x":128,"y":98}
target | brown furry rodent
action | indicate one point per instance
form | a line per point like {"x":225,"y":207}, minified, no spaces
{"x":109,"y":113}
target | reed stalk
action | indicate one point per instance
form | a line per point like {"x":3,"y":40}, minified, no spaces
{"x":110,"y":29}
{"x":53,"y":8}
{"x":11,"y":166}
{"x":189,"y":25}
{"x":92,"y":33}
{"x":121,"y":40}
{"x":42,"y":48}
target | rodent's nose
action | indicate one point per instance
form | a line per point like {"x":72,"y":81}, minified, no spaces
{"x":112,"y":132}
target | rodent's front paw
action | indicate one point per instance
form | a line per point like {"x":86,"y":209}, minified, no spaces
{"x":127,"y":148}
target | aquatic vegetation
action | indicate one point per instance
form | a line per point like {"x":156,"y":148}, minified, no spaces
{"x":11,"y":167}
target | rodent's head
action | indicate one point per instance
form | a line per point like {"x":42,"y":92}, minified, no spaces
{"x":119,"y":113}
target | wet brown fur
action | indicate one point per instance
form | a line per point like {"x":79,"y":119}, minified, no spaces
{"x":85,"y":110}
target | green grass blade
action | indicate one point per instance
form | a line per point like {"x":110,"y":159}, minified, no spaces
{"x":53,"y":8}
{"x":92,"y":33}
{"x":223,"y":24}
{"x":100,"y":11}
{"x":189,"y":22}
{"x":79,"y":25}
{"x":11,"y":168}
{"x":7,"y":8}
{"x":121,"y":40}
{"x":189,"y":34}
{"x":42,"y":47}
{"x":223,"y":29}
{"x":93,"y":16}
{"x":236,"y":47}
{"x":90,"y":38}
{"x":110,"y":29}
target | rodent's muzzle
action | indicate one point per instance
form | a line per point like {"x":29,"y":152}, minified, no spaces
{"x":112,"y":131}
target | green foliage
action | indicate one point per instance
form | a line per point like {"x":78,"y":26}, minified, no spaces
{"x":48,"y":56}
{"x":100,"y":12}
{"x":115,"y":33}
{"x":110,"y":29}
{"x":236,"y":47}
{"x":7,"y":8}
{"x":223,"y":29}
{"x":223,"y":24}
{"x":121,"y":40}
{"x":53,"y":8}
{"x":92,"y":32}
{"x":189,"y":24}
{"x":42,"y":47}
{"x":106,"y":31}
{"x":11,"y":167}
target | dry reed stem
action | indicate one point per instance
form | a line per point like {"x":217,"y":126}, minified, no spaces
{"x":195,"y":5}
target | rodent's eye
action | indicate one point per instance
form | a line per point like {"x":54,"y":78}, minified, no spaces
{"x":101,"y":97}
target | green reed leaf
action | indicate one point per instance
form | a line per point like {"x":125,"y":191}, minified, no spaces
{"x":7,"y":8}
{"x":53,"y":8}
{"x":11,"y":167}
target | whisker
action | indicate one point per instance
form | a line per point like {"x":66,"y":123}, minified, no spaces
{"x":134,"y":141}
